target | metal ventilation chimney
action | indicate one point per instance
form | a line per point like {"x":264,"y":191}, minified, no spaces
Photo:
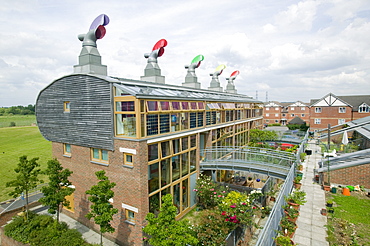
{"x":215,"y":83}
{"x":89,"y":60}
{"x":152,"y":72}
{"x":230,"y":87}
{"x":191,"y":79}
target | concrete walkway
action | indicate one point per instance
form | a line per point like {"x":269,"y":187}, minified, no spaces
{"x":89,"y":235}
{"x":311,"y":229}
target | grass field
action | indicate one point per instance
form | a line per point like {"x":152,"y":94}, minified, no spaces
{"x":19,"y":120}
{"x":350,"y":223}
{"x":15,"y":142}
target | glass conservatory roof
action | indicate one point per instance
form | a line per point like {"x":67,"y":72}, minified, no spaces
{"x":143,"y":89}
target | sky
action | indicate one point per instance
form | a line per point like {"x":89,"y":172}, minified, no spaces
{"x":285,"y":50}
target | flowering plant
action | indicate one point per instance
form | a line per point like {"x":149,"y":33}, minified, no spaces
{"x":238,"y":208}
{"x":209,"y":193}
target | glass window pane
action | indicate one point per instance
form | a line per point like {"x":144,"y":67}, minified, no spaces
{"x":193,"y":105}
{"x":68,"y":148}
{"x":164,"y":123}
{"x":200,"y":105}
{"x":165,"y":105}
{"x":165,"y":146}
{"x":185,"y":105}
{"x":185,"y":143}
{"x":176,"y":105}
{"x":193,"y":141}
{"x":184,"y":164}
{"x":153,"y":177}
{"x":200,"y":119}
{"x":176,"y":145}
{"x":152,"y":152}
{"x":165,"y":172}
{"x":128,"y":158}
{"x":96,"y":154}
{"x":152,"y":124}
{"x":104,"y":155}
{"x":126,"y":125}
{"x":154,"y":203}
{"x":152,"y":105}
{"x":193,"y":120}
{"x":175,"y":122}
{"x":193,"y":160}
{"x":185,"y":192}
{"x":175,"y":167}
{"x":125,"y":106}
{"x":176,"y":196}
{"x":184,"y":121}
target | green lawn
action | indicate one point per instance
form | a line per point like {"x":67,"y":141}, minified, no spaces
{"x":15,"y":142}
{"x":19,"y":120}
{"x":350,"y":223}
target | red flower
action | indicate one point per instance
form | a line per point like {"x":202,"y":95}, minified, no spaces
{"x":223,"y":213}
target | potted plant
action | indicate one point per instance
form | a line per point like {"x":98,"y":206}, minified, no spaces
{"x":282,"y":240}
{"x":288,"y":227}
{"x":300,"y":167}
{"x":329,"y":203}
{"x":297,"y":182}
{"x":296,"y":198}
{"x":292,"y":214}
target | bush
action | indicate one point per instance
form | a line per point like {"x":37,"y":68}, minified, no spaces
{"x":43,"y":230}
{"x":12,"y":124}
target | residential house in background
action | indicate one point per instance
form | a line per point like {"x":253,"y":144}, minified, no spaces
{"x":337,"y":110}
{"x":284,"y":112}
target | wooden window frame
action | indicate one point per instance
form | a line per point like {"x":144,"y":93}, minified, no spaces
{"x":128,"y":218}
{"x":100,"y":160}
{"x":67,"y":106}
{"x":127,"y":163}
{"x":65,"y":152}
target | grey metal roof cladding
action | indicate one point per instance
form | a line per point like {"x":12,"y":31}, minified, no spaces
{"x":364,"y":130}
{"x":150,"y":90}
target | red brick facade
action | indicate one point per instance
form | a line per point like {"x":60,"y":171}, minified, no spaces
{"x":131,"y":187}
{"x":357,"y":175}
{"x":321,"y":116}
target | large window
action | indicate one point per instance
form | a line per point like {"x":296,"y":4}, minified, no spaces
{"x":170,"y":171}
{"x":126,"y":125}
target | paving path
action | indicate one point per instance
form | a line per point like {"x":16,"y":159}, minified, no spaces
{"x":311,"y":229}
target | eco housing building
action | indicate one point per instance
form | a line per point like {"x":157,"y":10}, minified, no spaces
{"x":147,"y":135}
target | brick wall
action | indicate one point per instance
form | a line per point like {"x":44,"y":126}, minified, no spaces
{"x":328,"y":115}
{"x":358,"y":175}
{"x":131,"y":187}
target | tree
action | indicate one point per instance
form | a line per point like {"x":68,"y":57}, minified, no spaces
{"x":165,"y":230}
{"x":58,"y":188}
{"x":101,"y":210}
{"x":26,"y":179}
{"x":257,"y":135}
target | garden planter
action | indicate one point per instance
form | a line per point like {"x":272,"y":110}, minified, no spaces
{"x":329,"y":205}
{"x":297,"y":186}
{"x":324,"y":211}
{"x":326,"y":187}
{"x":294,"y":205}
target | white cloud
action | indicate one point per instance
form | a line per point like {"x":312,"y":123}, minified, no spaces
{"x":295,"y":51}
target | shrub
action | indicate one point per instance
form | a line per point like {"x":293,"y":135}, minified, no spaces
{"x":43,"y":230}
{"x":12,"y":124}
